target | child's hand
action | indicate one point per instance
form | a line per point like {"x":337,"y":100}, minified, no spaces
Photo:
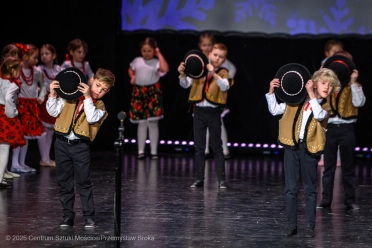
{"x":133,"y":80}
{"x":310,"y":89}
{"x":39,"y":101}
{"x":210,"y":68}
{"x":354,"y":76}
{"x":181,"y":69}
{"x":84,"y":88}
{"x":54,"y":85}
{"x":274,"y":84}
{"x":157,"y":51}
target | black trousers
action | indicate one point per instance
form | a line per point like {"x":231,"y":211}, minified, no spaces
{"x":339,"y":135}
{"x":73,"y":164}
{"x":208,"y":117}
{"x":296,"y":161}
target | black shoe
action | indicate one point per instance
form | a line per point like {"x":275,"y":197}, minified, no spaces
{"x":289,"y":231}
{"x":197,"y":184}
{"x":227,"y":156}
{"x":89,"y":223}
{"x":352,"y":206}
{"x":323,"y":205}
{"x":154,"y":157}
{"x":309,"y":233}
{"x":223,"y":185}
{"x":6,"y":185}
{"x":141,"y":156}
{"x":67,"y":222}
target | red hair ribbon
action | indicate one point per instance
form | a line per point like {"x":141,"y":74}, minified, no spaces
{"x":24,"y":48}
{"x":67,"y":57}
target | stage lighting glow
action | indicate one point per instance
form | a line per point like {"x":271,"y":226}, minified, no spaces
{"x":273,"y":146}
{"x":228,"y":144}
{"x":147,"y":141}
{"x":176,"y":142}
{"x":243,"y":144}
{"x":133,"y":141}
{"x":169,"y":142}
{"x":258,"y":145}
{"x":236,"y":144}
{"x":126,"y":140}
{"x":191,"y":143}
{"x":162,"y":142}
{"x":365,"y":149}
{"x":250,"y":145}
{"x":357,"y":149}
{"x":265,"y":145}
{"x":184,"y":143}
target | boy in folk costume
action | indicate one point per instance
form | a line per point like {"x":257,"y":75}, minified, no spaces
{"x":80,"y":113}
{"x":209,"y":85}
{"x":302,"y":132}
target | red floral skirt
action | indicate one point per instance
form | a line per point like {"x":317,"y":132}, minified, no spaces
{"x":44,"y":116}
{"x":29,"y":111}
{"x":10,"y":130}
{"x":146,"y":103}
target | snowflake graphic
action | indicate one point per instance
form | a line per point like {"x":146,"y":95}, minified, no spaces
{"x":159,"y":14}
{"x":266,"y":10}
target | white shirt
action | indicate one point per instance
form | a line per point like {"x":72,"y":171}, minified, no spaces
{"x":8,"y":97}
{"x":146,"y":71}
{"x":55,"y":105}
{"x":314,"y":107}
{"x":32,"y":91}
{"x":358,"y":99}
{"x":49,"y":74}
{"x":223,"y":84}
{"x":230,"y":67}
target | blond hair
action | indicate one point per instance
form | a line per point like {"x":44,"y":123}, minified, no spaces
{"x":105,"y":76}
{"x":327,"y":75}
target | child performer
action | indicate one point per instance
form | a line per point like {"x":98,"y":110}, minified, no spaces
{"x":11,"y":135}
{"x":50,"y":69}
{"x":207,"y":111}
{"x":206,"y":43}
{"x":76,"y":127}
{"x":146,"y":104}
{"x":28,"y":100}
{"x":302,"y":132}
{"x":75,"y":57}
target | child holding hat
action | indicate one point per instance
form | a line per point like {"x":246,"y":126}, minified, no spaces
{"x":302,"y":132}
{"x":208,"y":93}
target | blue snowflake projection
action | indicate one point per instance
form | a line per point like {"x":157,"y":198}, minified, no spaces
{"x":162,"y":14}
{"x":265,"y":10}
{"x":337,"y":22}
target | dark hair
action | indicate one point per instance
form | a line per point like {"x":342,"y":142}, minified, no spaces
{"x":10,"y":50}
{"x":330,"y":43}
{"x":149,"y":41}
{"x":208,"y":35}
{"x":52,"y":49}
{"x":74,"y":45}
{"x":10,"y":63}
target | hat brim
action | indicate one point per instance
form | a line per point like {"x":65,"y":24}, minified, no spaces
{"x":64,"y":78}
{"x":195,"y":64}
{"x":301,"y":95}
{"x":350,"y":64}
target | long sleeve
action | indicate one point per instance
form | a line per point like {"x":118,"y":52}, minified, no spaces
{"x":223,"y":83}
{"x":11,"y":110}
{"x":54,"y":106}
{"x":185,"y":82}
{"x":274,"y":107}
{"x":357,"y":95}
{"x":318,"y":112}
{"x":93,"y":114}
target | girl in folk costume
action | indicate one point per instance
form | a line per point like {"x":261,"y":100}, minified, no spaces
{"x":206,"y":43}
{"x":28,"y":100}
{"x":146,"y":105}
{"x":10,"y":50}
{"x":50,"y":69}
{"x":11,"y":132}
{"x":76,"y":52}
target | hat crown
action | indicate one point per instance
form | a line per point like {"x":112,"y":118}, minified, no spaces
{"x":73,"y":80}
{"x":195,"y":64}
{"x":292,"y":83}
{"x":69,"y":80}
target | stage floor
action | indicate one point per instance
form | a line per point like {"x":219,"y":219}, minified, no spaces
{"x":159,"y":209}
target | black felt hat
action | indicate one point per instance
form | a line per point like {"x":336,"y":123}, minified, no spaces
{"x":293,"y":78}
{"x":195,"y":64}
{"x":342,"y":66}
{"x":69,"y":80}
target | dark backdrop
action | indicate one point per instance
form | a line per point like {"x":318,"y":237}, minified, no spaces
{"x":257,"y":58}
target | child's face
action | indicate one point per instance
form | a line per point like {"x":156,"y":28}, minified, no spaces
{"x":323,"y":89}
{"x":98,"y":89}
{"x":205,"y":45}
{"x":46,"y":56}
{"x":31,"y":60}
{"x":78,"y":55}
{"x":147,"y":52}
{"x":217,"y":57}
{"x":334,"y":49}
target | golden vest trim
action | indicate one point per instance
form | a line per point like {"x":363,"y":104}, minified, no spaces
{"x":342,"y":105}
{"x":214,"y":94}
{"x":82,"y":128}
